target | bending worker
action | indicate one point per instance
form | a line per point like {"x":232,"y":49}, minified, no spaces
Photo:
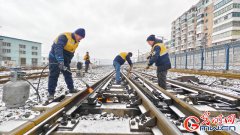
{"x":160,"y":57}
{"x":120,"y":60}
{"x":87,"y":61}
{"x":60,"y":57}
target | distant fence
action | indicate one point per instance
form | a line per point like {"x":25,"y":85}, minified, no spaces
{"x":223,"y":57}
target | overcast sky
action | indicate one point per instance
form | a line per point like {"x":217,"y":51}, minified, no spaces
{"x":112,"y":26}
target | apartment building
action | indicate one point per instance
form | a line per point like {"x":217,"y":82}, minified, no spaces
{"x":177,"y":35}
{"x":226,"y":24}
{"x":184,"y":31}
{"x":169,"y":46}
{"x":204,"y":23}
{"x":44,"y":60}
{"x":191,"y":31}
{"x":19,"y":52}
{"x":173,"y":36}
{"x":208,"y":23}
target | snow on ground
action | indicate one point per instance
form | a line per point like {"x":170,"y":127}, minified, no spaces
{"x":5,"y":73}
{"x":25,"y":112}
{"x":230,"y":86}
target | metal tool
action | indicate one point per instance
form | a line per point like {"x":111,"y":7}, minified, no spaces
{"x":66,"y":69}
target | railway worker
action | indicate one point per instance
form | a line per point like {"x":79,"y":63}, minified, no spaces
{"x":120,"y":60}
{"x":87,"y":61}
{"x":60,"y":57}
{"x":160,"y":57}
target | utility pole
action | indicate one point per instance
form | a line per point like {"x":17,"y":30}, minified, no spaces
{"x":138,"y":56}
{"x":1,"y":52}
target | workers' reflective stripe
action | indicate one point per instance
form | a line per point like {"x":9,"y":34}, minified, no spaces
{"x":71,"y":45}
{"x":51,"y":55}
{"x":123,"y":55}
{"x":58,"y":59}
{"x":163,"y":49}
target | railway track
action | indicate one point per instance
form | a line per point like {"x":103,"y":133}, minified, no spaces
{"x":180,"y":104}
{"x":189,"y":88}
{"x":6,"y":78}
{"x":225,"y":74}
{"x":135,"y":107}
{"x":34,"y":75}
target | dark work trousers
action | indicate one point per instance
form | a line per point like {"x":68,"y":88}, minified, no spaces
{"x":54,"y":72}
{"x":162,"y":77}
{"x":86,"y":67}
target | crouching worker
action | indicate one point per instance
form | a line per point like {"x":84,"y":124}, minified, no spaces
{"x":60,"y":57}
{"x":160,"y":57}
{"x":120,"y":60}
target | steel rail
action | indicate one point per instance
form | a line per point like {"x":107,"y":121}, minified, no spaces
{"x":224,"y":74}
{"x":5,"y":78}
{"x":196,"y":88}
{"x":163,"y":123}
{"x":184,"y":106}
{"x":67,"y":103}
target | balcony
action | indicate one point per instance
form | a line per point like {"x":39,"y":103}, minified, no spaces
{"x":184,"y":31}
{"x":178,"y":35}
{"x":184,"y":36}
{"x":184,"y":28}
{"x":191,"y":34}
{"x":183,"y":48}
{"x":184,"y":43}
{"x":191,"y":38}
{"x":198,"y":44}
{"x":191,"y":28}
{"x":191,"y":45}
{"x":200,"y":29}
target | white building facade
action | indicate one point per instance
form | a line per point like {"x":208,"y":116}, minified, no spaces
{"x":226,"y":25}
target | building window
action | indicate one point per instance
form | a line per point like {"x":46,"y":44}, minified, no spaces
{"x":226,"y":34}
{"x":236,"y":14}
{"x":34,"y":53}
{"x":34,"y":61}
{"x":220,"y":4}
{"x":227,"y":25}
{"x":22,"y":61}
{"x":34,"y":48}
{"x":6,"y":50}
{"x":22,"y":52}
{"x":224,"y":10}
{"x":6,"y":44}
{"x":22,"y":46}
{"x":236,"y":5}
{"x":6,"y":58}
{"x":226,"y":17}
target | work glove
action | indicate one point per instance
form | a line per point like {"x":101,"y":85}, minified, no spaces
{"x":149,"y":57}
{"x":61,"y":66}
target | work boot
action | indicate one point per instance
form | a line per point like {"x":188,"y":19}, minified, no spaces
{"x":73,"y":91}
{"x":50,"y":97}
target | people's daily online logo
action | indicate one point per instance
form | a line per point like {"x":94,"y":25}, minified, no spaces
{"x":204,"y":123}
